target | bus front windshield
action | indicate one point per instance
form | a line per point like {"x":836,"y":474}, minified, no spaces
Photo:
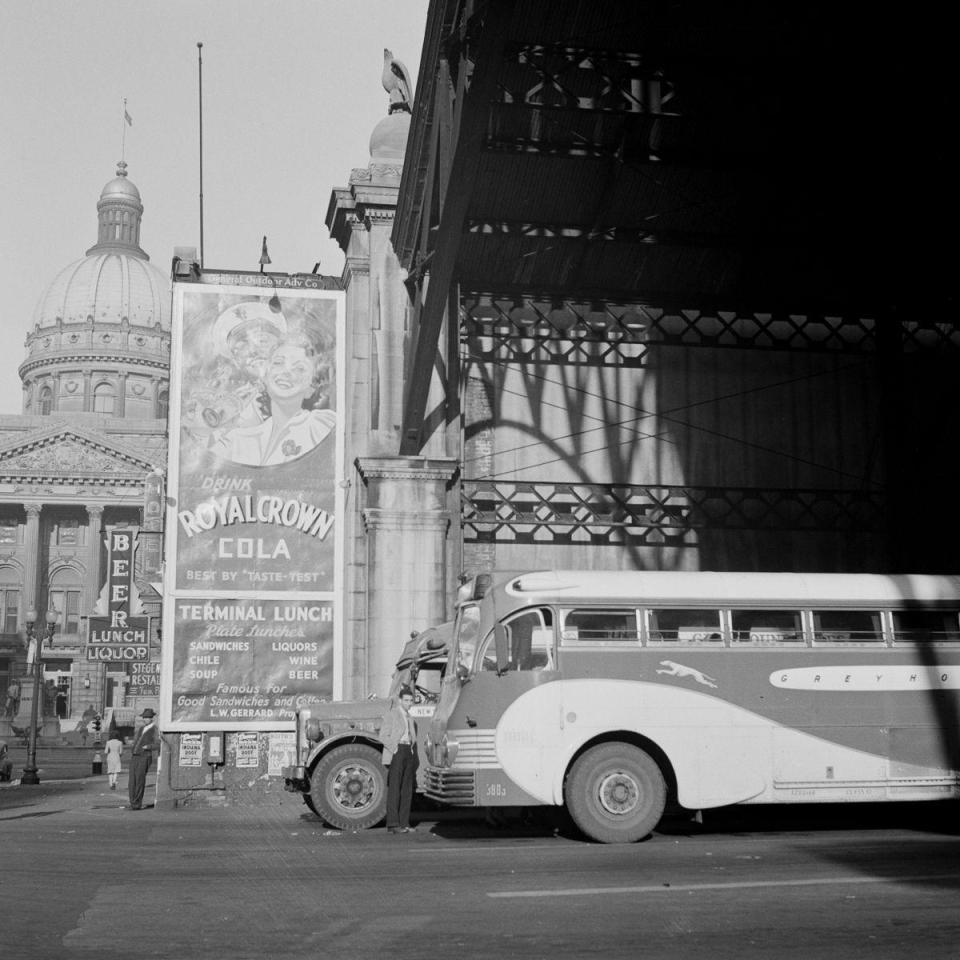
{"x":467,"y":635}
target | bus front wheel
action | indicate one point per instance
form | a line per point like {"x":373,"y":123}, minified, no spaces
{"x":348,"y":787}
{"x":616,"y":793}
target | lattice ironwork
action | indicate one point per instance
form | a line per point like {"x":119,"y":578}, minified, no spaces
{"x":527,"y":330}
{"x":668,"y":515}
{"x":556,"y":75}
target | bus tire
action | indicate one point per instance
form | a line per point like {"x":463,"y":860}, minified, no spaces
{"x":616,"y":793}
{"x":348,"y":787}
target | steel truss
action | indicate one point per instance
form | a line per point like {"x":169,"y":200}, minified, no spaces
{"x":495,"y":511}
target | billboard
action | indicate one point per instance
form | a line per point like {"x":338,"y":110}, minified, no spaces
{"x":253,"y":545}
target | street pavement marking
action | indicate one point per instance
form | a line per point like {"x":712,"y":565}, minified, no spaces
{"x":741,"y":885}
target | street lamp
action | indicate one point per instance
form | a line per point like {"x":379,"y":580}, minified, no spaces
{"x":30,"y":770}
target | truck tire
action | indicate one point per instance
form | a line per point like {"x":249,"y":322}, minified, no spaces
{"x":348,"y":787}
{"x":615,"y":793}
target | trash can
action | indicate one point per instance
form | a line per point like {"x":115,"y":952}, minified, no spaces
{"x":97,"y":765}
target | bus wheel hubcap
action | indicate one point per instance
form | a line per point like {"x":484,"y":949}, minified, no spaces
{"x":618,"y":793}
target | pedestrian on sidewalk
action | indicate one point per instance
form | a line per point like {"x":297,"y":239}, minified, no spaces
{"x":6,"y":764}
{"x":114,"y":754}
{"x":145,"y":744}
{"x":399,"y":737}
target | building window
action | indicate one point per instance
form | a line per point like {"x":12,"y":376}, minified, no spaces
{"x":67,"y":603}
{"x":10,"y":601}
{"x":163,"y":405}
{"x":9,"y":530}
{"x":46,"y":401}
{"x":103,"y":397}
{"x":69,"y":533}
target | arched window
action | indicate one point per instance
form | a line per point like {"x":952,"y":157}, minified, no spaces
{"x":46,"y":401}
{"x":9,"y":600}
{"x":103,"y":398}
{"x":163,"y":405}
{"x":65,"y":589}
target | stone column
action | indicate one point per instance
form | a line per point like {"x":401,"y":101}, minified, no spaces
{"x":407,"y":519}
{"x":31,"y":545}
{"x":95,"y":539}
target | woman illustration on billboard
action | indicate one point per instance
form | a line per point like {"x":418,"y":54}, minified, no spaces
{"x":296,"y":379}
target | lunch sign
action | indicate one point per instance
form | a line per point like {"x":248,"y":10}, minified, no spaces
{"x":253,"y":545}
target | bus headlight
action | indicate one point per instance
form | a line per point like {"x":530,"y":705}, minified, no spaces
{"x":312,"y":731}
{"x":449,"y":748}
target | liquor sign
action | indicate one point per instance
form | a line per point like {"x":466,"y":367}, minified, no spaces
{"x":120,"y":636}
{"x":253,"y":506}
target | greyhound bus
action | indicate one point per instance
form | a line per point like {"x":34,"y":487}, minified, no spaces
{"x":609,"y":693}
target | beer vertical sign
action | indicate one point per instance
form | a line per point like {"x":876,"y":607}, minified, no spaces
{"x":121,"y":636}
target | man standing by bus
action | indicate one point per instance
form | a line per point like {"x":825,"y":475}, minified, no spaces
{"x":145,"y":744}
{"x":399,"y":736}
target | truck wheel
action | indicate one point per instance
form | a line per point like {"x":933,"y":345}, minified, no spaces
{"x":348,"y":787}
{"x":616,"y":793}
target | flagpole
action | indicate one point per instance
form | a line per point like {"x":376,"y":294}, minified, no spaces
{"x":123,"y":135}
{"x":200,"y":94}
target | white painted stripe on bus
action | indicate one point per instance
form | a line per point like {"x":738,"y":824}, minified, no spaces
{"x":696,"y":887}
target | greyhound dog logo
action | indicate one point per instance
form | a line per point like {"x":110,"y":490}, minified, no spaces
{"x":679,"y":670}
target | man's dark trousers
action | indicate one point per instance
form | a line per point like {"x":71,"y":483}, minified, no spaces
{"x":401,"y":782}
{"x":139,"y":765}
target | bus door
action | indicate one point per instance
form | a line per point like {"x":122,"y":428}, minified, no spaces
{"x":531,"y":660}
{"x":528,"y":659}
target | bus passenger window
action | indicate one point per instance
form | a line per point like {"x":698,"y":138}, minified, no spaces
{"x":601,"y":626}
{"x":926,"y":626}
{"x":767,"y":626}
{"x":685,"y":626}
{"x":847,"y":626}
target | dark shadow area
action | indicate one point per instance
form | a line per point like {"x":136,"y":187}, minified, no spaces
{"x":939,"y":817}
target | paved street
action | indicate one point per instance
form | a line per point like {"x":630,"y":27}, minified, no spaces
{"x":84,"y":877}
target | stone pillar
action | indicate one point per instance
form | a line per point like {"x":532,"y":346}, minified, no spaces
{"x":31,"y":564}
{"x":95,"y":539}
{"x":407,"y":519}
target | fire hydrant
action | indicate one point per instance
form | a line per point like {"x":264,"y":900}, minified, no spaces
{"x":97,"y":764}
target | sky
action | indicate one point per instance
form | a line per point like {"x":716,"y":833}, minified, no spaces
{"x":291,"y":93}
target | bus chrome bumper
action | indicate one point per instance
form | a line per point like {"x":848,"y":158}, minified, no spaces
{"x":457,"y":788}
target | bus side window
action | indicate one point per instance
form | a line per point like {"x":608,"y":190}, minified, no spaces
{"x":685,"y":626}
{"x":767,"y":626}
{"x":847,"y":626}
{"x":601,"y":626}
{"x":926,"y":626}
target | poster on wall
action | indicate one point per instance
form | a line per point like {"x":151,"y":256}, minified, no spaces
{"x":253,"y":537}
{"x":250,"y":661}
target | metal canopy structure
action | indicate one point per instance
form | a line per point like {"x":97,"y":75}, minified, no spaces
{"x":569,"y":158}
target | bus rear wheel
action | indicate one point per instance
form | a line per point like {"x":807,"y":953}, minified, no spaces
{"x":348,"y":787}
{"x":616,"y":793}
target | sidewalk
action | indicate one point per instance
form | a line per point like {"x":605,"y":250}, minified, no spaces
{"x":80,"y":793}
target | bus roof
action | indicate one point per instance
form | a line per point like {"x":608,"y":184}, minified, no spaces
{"x":700,"y":588}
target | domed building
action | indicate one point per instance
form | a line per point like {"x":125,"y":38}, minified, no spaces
{"x":84,"y":458}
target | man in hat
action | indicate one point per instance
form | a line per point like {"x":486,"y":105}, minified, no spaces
{"x":145,"y":744}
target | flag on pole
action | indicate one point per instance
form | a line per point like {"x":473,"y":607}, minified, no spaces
{"x":264,"y":256}
{"x":127,"y":117}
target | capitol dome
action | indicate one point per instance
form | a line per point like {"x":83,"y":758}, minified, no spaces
{"x":100,"y":337}
{"x":106,"y":288}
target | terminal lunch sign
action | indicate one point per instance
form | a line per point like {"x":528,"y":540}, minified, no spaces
{"x":120,"y":636}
